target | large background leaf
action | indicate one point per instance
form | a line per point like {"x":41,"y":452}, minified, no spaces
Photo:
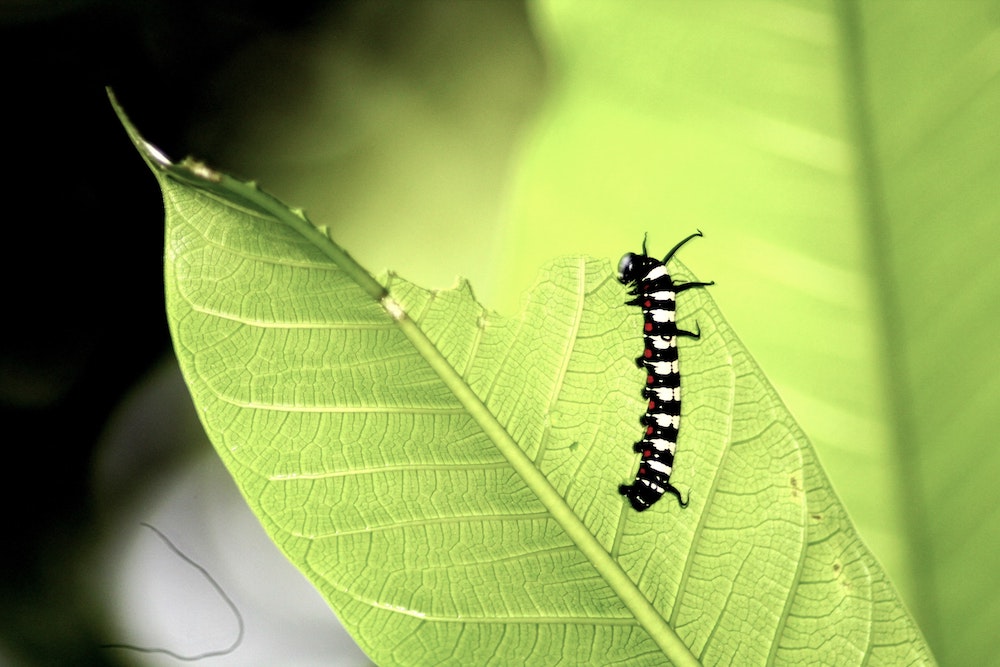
{"x":842,"y":154}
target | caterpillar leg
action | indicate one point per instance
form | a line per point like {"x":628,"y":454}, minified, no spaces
{"x":686,"y":286}
{"x":690,"y":334}
{"x":676,"y":247}
{"x":642,"y":501}
{"x":683,"y":502}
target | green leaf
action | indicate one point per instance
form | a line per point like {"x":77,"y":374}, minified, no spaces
{"x":447,"y":478}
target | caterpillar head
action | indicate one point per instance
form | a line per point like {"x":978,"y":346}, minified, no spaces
{"x":632,"y":267}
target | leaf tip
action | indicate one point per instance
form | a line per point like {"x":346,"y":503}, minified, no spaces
{"x":150,"y":153}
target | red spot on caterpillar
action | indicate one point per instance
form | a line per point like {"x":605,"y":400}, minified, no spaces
{"x":648,"y":326}
{"x":652,"y":405}
{"x":649,"y":379}
{"x":647,"y":453}
{"x":649,"y":430}
{"x":647,"y":353}
{"x":647,"y":303}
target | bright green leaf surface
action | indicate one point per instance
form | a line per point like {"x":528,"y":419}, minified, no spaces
{"x":448,"y":478}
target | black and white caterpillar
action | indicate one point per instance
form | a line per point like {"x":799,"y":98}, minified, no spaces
{"x":655,"y":292}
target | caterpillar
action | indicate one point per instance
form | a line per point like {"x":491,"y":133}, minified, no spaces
{"x":655,"y":292}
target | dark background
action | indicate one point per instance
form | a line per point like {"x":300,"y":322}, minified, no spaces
{"x":82,"y":270}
